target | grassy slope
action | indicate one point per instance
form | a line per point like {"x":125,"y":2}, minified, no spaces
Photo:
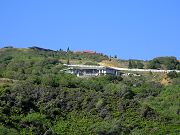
{"x":89,"y":99}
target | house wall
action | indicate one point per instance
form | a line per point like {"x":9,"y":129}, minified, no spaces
{"x":111,"y":71}
{"x":86,"y":72}
{"x":92,"y":72}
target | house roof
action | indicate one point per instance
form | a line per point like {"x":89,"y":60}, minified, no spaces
{"x":85,"y":51}
{"x":88,"y":67}
{"x":89,"y":51}
{"x":95,"y":68}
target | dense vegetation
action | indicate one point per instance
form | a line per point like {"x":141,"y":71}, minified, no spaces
{"x":136,"y":64}
{"x":164,"y":63}
{"x":36,"y":97}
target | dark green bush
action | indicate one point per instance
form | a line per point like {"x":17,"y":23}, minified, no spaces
{"x":172,"y":74}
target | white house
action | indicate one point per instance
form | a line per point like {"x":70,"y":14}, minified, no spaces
{"x":89,"y":70}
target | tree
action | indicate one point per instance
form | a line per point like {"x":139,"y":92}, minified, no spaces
{"x":68,"y":55}
{"x":130,"y":64}
{"x":68,"y":62}
{"x":154,"y":64}
{"x":134,"y":65}
{"x":178,"y":66}
{"x":140,"y":65}
{"x":169,"y":63}
{"x":8,"y":47}
{"x":68,"y":49}
{"x":172,"y":74}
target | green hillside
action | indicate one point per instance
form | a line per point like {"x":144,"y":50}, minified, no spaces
{"x":36,"y":97}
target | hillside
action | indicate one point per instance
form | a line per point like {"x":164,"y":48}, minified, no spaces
{"x":36,"y":97}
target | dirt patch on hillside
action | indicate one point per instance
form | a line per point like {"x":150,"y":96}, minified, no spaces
{"x":114,"y":63}
{"x":7,"y":81}
{"x":165,"y":80}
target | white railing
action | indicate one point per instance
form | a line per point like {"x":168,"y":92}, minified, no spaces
{"x":90,"y":66}
{"x":145,"y":70}
{"x":125,"y":69}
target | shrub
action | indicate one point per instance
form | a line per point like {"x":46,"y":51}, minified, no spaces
{"x":172,"y":74}
{"x":7,"y":131}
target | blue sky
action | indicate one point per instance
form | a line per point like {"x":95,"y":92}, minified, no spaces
{"x":130,"y":29}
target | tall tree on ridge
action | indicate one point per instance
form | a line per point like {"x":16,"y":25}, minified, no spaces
{"x":68,"y":60}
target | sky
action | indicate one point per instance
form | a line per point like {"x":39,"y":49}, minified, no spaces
{"x":130,"y":29}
